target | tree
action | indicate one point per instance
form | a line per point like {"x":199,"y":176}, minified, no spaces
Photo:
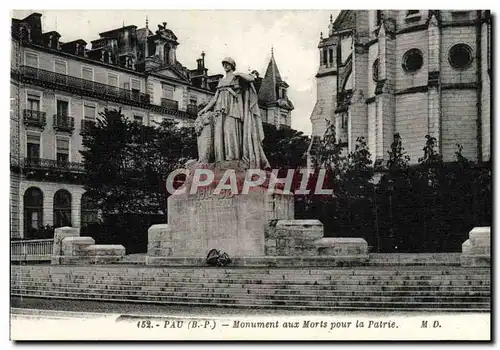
{"x":285,"y":148}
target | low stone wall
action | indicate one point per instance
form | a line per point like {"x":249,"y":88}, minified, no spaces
{"x":300,"y":239}
{"x":71,"y":249}
{"x":476,"y":251}
{"x":292,"y":237}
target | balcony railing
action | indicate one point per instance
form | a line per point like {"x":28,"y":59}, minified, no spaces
{"x":170,"y":104}
{"x":88,"y":87}
{"x":31,"y":250}
{"x":34,"y":118}
{"x":64,"y":123}
{"x":86,"y":126}
{"x":52,"y":164}
{"x":192,"y":109}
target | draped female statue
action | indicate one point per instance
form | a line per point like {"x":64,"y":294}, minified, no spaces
{"x":230,"y":126}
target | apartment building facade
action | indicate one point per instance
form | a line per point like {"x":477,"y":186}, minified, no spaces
{"x":59,"y":88}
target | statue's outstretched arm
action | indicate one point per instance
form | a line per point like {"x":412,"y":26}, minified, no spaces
{"x":210,"y":104}
{"x":244,"y":76}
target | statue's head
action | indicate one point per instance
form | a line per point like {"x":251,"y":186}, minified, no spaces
{"x":228,"y":64}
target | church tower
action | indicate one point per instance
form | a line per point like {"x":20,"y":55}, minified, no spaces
{"x":275,"y":106}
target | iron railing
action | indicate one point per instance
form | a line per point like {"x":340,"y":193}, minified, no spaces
{"x":86,"y":125}
{"x":170,"y":104}
{"x":64,"y":123}
{"x":34,"y":118}
{"x":82,"y":85}
{"x":52,"y":164}
{"x":31,"y":250}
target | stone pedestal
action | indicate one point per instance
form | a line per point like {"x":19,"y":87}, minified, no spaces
{"x":71,"y":249}
{"x":293,"y":237}
{"x":59,"y":234}
{"x":234,"y":224}
{"x":476,"y":251}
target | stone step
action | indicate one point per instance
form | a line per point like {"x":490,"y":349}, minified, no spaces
{"x":322,"y":297}
{"x":268,"y":291}
{"x":355,"y":282}
{"x":268,"y":279}
{"x":111,"y":270}
{"x":383,"y":308}
{"x":262,"y":302}
{"x":277,"y":278}
{"x":283,"y":287}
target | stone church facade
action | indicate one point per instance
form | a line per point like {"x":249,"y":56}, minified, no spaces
{"x":59,"y":88}
{"x":409,"y":72}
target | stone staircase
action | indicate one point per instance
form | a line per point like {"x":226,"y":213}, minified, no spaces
{"x":439,"y":288}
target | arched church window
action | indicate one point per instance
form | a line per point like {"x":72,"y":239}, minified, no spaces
{"x":33,"y":211}
{"x":460,"y":56}
{"x":375,"y":69}
{"x":62,"y":208}
{"x":413,"y":60}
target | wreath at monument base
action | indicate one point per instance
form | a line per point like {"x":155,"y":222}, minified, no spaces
{"x":218,"y":258}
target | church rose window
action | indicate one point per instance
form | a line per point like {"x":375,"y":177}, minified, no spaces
{"x":460,"y":56}
{"x":413,"y":60}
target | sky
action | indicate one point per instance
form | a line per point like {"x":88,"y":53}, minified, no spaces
{"x":246,"y":36}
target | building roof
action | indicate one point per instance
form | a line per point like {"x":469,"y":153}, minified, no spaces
{"x":142,"y":34}
{"x":267,"y":91}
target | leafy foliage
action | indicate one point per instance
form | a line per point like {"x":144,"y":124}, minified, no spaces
{"x":427,"y":207}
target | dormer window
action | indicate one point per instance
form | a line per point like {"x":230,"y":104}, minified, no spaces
{"x":80,"y":49}
{"x":54,"y":42}
{"x":25,"y":33}
{"x":283,"y":93}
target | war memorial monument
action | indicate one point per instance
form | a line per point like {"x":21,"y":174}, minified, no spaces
{"x":231,"y":201}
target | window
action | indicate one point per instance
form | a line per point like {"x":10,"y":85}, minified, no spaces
{"x":33,"y":148}
{"x":375,"y":69}
{"x":62,"y":108}
{"x":33,"y":102}
{"x":460,"y":56}
{"x":138,"y":119}
{"x":89,"y":212}
{"x":31,"y":60}
{"x":412,"y":13}
{"x":193,"y":101}
{"x":330,"y":56}
{"x":62,"y":208}
{"x":136,"y":85}
{"x":325,"y":56}
{"x":62,"y":151}
{"x":89,"y":112}
{"x":33,"y":212}
{"x":136,"y":89}
{"x":413,"y":60}
{"x":60,"y":67}
{"x":87,"y":73}
{"x":112,"y":79}
{"x":167,"y":91}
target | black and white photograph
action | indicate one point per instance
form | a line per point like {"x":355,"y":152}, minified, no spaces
{"x":250,"y":174}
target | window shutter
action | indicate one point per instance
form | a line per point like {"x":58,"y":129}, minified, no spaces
{"x":31,"y":60}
